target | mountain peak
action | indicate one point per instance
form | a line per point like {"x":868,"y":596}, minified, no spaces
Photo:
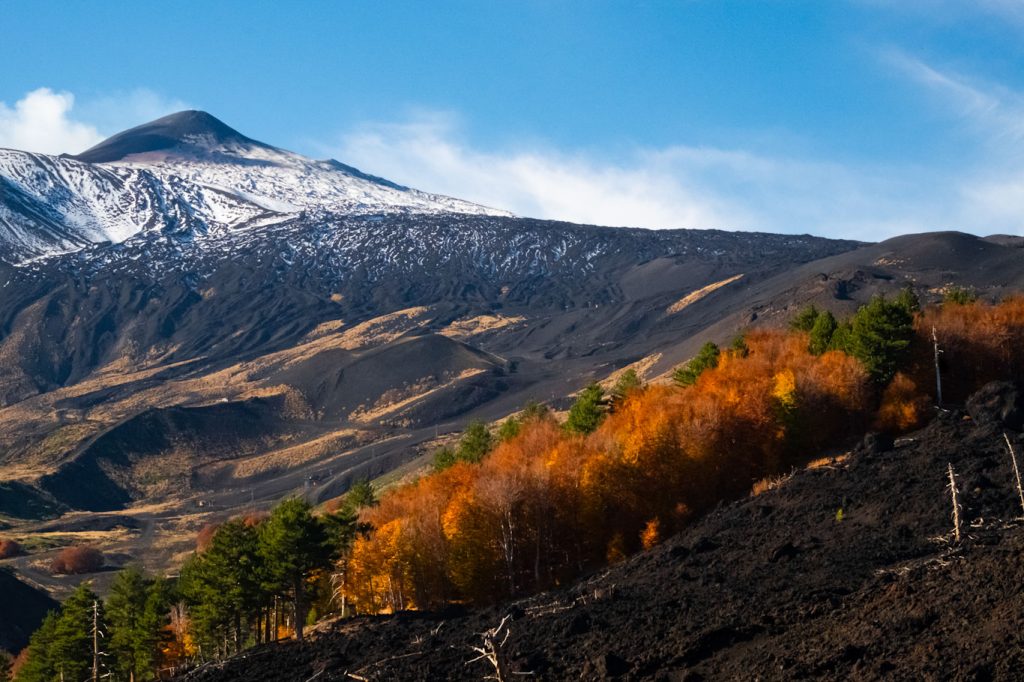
{"x":179,"y":131}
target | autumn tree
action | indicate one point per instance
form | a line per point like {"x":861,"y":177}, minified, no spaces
{"x":293,"y":545}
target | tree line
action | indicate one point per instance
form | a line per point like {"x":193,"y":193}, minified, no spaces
{"x":251,"y":580}
{"x":534,"y":504}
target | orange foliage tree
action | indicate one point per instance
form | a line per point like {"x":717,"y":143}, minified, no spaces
{"x":547,"y":503}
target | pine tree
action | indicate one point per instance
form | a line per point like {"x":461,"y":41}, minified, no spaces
{"x":41,"y":666}
{"x":476,"y":442}
{"x":5,"y":667}
{"x":587,"y":412}
{"x":294,"y":544}
{"x":706,"y":358}
{"x":361,"y":494}
{"x":136,"y":610}
{"x":805,"y":319}
{"x":224,"y":585}
{"x":509,"y":429}
{"x":443,"y":459}
{"x":880,"y":335}
{"x":71,"y":650}
{"x":821,"y":333}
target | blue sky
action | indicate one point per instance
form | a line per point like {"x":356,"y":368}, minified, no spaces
{"x":837,"y":118}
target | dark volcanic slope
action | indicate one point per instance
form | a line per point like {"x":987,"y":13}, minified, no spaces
{"x":771,"y":587}
{"x":22,"y":609}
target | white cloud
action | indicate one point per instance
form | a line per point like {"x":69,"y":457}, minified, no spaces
{"x":52,"y":122}
{"x":39,"y":122}
{"x":677,"y":186}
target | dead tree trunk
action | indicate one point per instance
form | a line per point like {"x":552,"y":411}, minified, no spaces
{"x":95,"y":641}
{"x":956,"y":503}
{"x":938,"y":374}
{"x":1016,"y":470}
{"x":492,"y":650}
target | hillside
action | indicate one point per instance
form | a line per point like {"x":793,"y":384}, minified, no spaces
{"x":777,"y":586}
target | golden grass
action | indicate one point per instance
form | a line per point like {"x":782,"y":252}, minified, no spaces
{"x":396,"y":400}
{"x":827,"y":461}
{"x":468,"y":327}
{"x":697,"y":295}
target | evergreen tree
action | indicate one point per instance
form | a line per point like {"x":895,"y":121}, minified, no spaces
{"x":805,"y":319}
{"x":908,"y":300}
{"x":5,"y":667}
{"x":628,"y":382}
{"x":706,"y":358}
{"x":880,"y":335}
{"x":294,"y":544}
{"x":41,"y":666}
{"x":443,"y":459}
{"x":587,"y":412}
{"x":509,"y":429}
{"x":71,"y":650}
{"x":223,"y":584}
{"x":739,"y":346}
{"x":476,"y":442}
{"x":136,"y":610}
{"x":821,"y":333}
{"x":361,"y":494}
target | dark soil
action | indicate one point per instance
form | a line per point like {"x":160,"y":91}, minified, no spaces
{"x":771,"y":587}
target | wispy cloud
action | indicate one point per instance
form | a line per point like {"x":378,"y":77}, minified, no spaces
{"x":54,"y":122}
{"x":995,"y":111}
{"x":676,"y":186}
{"x":988,"y":190}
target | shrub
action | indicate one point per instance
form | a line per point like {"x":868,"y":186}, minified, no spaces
{"x":10,"y":548}
{"x":77,"y":560}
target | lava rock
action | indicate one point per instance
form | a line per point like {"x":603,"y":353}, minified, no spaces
{"x":998,"y":402}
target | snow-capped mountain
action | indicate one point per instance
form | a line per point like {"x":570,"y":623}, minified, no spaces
{"x":187,"y":174}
